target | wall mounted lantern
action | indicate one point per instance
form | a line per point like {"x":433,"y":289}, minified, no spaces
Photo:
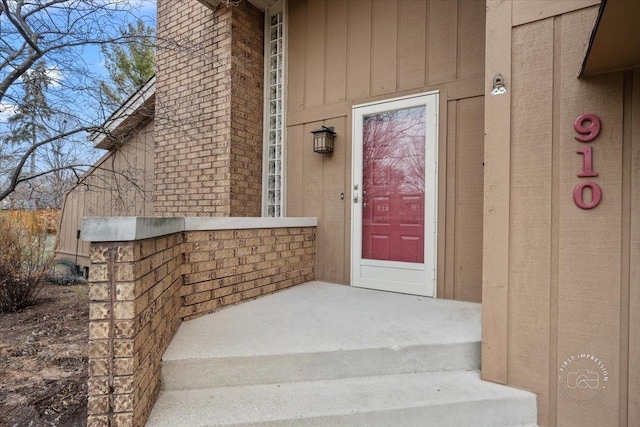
{"x":323,"y":140}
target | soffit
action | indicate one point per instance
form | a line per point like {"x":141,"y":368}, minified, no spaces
{"x":615,"y":40}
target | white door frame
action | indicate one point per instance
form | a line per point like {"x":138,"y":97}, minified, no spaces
{"x":395,"y":276}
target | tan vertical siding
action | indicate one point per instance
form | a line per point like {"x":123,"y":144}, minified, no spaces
{"x":523,"y":12}
{"x":590,"y":240}
{"x":294,"y":170}
{"x":119,"y":184}
{"x":463,"y":214}
{"x":530,"y":213}
{"x":467,"y":212}
{"x":343,"y":53}
{"x":442,"y":30}
{"x":296,"y":56}
{"x":359,"y":49}
{"x":573,"y":278}
{"x":412,"y":43}
{"x":384,"y":46}
{"x":312,"y":186}
{"x":334,"y":209}
{"x":315,"y":57}
{"x":470,"y":58}
{"x":336,"y":57}
{"x":66,"y":238}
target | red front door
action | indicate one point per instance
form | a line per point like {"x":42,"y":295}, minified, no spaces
{"x":394,"y":195}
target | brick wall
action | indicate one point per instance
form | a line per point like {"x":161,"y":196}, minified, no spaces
{"x":247,"y":77}
{"x":209,"y":93}
{"x":226,"y":266}
{"x":134,"y":292}
{"x":140,"y":291}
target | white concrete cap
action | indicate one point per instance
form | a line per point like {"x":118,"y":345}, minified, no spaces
{"x":123,"y":228}
{"x":194,"y":223}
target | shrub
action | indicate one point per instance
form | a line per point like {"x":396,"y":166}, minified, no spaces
{"x":24,"y":262}
{"x":65,"y":273}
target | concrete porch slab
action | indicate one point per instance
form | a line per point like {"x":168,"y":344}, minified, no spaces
{"x":319,"y":317}
{"x":318,"y":331}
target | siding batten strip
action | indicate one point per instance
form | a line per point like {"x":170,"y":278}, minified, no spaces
{"x":555,"y":226}
{"x":634,"y":254}
{"x":625,"y":268}
{"x":495,"y":276}
{"x":426,"y":43}
{"x":443,"y":195}
{"x":449,"y":198}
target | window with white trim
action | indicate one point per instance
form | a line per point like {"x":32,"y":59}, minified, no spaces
{"x":274,"y":129}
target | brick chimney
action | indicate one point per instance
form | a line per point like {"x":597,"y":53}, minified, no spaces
{"x":209,"y":104}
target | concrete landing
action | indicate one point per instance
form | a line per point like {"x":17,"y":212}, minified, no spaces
{"x":321,"y":331}
{"x":321,"y":354}
{"x":317,"y":316}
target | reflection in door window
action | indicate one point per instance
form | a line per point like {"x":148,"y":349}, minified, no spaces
{"x":394,"y":172}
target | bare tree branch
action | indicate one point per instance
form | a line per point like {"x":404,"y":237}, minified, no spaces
{"x":55,"y":31}
{"x":16,"y":175}
{"x":20,"y":24}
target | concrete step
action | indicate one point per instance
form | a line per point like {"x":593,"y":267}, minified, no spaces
{"x":296,"y":367}
{"x":426,"y":399}
{"x":321,"y":331}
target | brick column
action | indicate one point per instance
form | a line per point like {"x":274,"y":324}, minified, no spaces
{"x":134,"y":293}
{"x":247,"y":77}
{"x":111,"y":334}
{"x":208,"y":121}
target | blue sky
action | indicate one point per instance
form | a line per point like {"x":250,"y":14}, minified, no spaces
{"x":142,"y":9}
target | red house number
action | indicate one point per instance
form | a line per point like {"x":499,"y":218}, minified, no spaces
{"x":588,"y":127}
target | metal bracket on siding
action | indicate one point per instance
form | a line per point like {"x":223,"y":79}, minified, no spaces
{"x":498,"y":85}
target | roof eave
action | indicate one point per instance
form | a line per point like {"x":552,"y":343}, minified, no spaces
{"x":613,"y":44}
{"x":138,"y":109}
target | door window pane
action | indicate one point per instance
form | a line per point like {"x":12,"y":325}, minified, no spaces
{"x":394,"y":185}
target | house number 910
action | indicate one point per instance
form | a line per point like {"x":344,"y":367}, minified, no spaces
{"x":588,"y":127}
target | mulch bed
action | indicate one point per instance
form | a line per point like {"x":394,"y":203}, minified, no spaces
{"x":43,"y":360}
